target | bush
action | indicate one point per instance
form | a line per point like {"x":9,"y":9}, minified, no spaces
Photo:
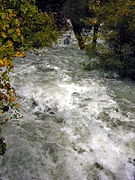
{"x":22,"y":27}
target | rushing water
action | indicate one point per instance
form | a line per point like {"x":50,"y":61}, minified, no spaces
{"x":73,"y":125}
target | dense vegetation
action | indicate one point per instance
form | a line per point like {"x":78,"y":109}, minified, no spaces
{"x":114,"y":23}
{"x":22,"y":27}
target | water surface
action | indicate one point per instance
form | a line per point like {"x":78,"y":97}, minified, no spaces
{"x":74,"y":125}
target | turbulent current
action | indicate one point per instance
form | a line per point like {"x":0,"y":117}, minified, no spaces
{"x":72,"y":124}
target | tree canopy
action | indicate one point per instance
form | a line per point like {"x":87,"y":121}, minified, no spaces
{"x":22,"y":26}
{"x":115,"y":22}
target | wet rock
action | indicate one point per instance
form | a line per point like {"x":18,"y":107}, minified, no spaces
{"x":131,"y":161}
{"x":2,"y":146}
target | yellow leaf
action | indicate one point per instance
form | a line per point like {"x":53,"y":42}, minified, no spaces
{"x":10,"y":31}
{"x":3,"y":96}
{"x":94,"y":21}
{"x":1,"y":63}
{"x":9,"y":93}
{"x":5,"y":26}
{"x":10,"y":43}
{"x":3,"y":35}
{"x":18,"y":32}
{"x":2,"y":48}
{"x":20,"y":54}
{"x":9,"y":64}
{"x":17,"y":105}
{"x":5,"y":62}
{"x":12,"y":15}
{"x":11,"y":98}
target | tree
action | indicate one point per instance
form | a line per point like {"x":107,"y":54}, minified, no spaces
{"x":22,"y":27}
{"x":77,"y":11}
{"x":117,"y":26}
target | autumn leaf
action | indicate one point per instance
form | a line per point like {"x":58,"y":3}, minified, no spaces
{"x":10,"y":43}
{"x":5,"y":26}
{"x":11,"y":98}
{"x":18,"y":32}
{"x":95,"y":20}
{"x":20,"y":54}
{"x":3,"y":35}
{"x":2,"y":96}
{"x":16,"y":105}
{"x":10,"y":31}
{"x":1,"y":63}
{"x":5,"y":62}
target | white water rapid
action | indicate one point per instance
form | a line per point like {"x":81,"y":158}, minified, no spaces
{"x":73,"y":125}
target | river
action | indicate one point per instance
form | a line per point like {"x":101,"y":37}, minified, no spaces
{"x":72,"y":124}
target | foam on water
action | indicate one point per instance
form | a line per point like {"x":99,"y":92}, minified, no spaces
{"x":72,"y":126}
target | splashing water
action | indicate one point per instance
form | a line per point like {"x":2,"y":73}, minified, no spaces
{"x":75,"y":125}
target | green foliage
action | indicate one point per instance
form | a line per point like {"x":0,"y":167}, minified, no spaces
{"x":90,"y":50}
{"x":120,"y":22}
{"x":40,"y":31}
{"x":75,"y":10}
{"x":37,"y":28}
{"x":10,"y":37}
{"x":117,"y":26}
{"x":22,"y":27}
